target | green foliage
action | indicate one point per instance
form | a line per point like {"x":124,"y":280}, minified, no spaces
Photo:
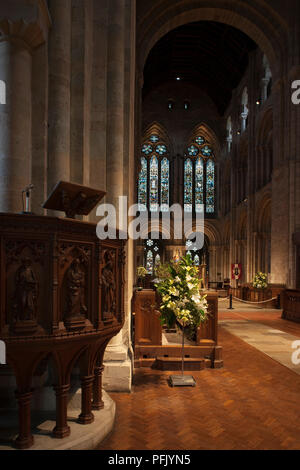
{"x":141,"y":272}
{"x":180,"y":293}
{"x":260,"y":281}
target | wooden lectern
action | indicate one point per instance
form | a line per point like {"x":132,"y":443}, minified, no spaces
{"x":73,"y":199}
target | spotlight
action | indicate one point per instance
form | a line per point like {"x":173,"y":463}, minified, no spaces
{"x":258,"y":102}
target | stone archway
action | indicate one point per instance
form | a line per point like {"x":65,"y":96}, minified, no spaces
{"x":259,"y":21}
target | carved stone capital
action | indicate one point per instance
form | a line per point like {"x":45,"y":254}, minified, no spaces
{"x":25,"y":24}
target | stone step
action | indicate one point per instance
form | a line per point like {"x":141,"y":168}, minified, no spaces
{"x":175,"y":363}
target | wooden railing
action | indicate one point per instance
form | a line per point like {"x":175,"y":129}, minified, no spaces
{"x":61,"y":298}
{"x":291,"y":305}
{"x":249,"y":294}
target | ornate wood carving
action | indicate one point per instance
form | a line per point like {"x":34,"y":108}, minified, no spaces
{"x":56,"y":277}
{"x":15,"y":248}
{"x":108,"y":284}
{"x":76,"y":308}
{"x":25,"y":298}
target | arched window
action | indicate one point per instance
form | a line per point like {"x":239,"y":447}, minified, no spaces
{"x":266,"y":80}
{"x":142,"y":199}
{"x":210,"y":187}
{"x":199,"y":180}
{"x":188,"y":185}
{"x":2,"y":92}
{"x":164,"y":186}
{"x":199,"y":177}
{"x":153,"y":184}
{"x":229,"y":134}
{"x":154,"y":177}
{"x":245,"y":110}
{"x":152,"y":255}
{"x":149,"y":263}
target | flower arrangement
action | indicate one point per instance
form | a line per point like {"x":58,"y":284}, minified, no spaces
{"x":141,"y":273}
{"x":260,"y":281}
{"x":180,"y":293}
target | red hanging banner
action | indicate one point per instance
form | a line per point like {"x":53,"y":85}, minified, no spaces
{"x":236,"y":272}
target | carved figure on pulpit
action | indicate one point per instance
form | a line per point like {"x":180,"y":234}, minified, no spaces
{"x":76,"y":289}
{"x":26,"y":293}
{"x":108,"y":286}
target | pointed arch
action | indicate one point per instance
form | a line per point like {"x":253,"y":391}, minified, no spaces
{"x":156,"y":128}
{"x":203,"y":129}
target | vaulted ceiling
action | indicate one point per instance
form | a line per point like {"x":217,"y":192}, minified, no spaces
{"x":211,"y":55}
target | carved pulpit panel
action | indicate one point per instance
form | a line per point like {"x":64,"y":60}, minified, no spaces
{"x":74,"y":273}
{"x":109,"y":284}
{"x":26,"y":285}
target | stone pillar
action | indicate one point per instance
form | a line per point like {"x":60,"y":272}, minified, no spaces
{"x":281,"y":236}
{"x":15,"y":128}
{"x":16,"y":47}
{"x":115,"y":100}
{"x":59,"y":93}
{"x":25,"y":438}
{"x":117,"y":375}
{"x":61,"y":429}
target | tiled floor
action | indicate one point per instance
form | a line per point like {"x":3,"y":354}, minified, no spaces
{"x":273,"y":342}
{"x":252,"y":403}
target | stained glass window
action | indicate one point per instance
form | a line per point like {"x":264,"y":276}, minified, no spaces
{"x":200,"y":140}
{"x":165,"y":185}
{"x":193,"y":151}
{"x":199,"y":184}
{"x":161,"y":149}
{"x":157,"y":260}
{"x":206,"y":151}
{"x":147,"y":149}
{"x":142,"y":190}
{"x":154,"y":184}
{"x":149,"y":262}
{"x":210,"y":187}
{"x":188,"y":185}
{"x":154,"y":178}
{"x":199,"y":177}
{"x":196,"y":260}
{"x":154,"y":138}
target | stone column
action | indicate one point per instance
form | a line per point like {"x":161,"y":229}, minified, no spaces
{"x":16,"y":46}
{"x":117,"y":375}
{"x":59,"y":93}
{"x":115,"y":100}
{"x":281,"y":236}
{"x":15,"y":127}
